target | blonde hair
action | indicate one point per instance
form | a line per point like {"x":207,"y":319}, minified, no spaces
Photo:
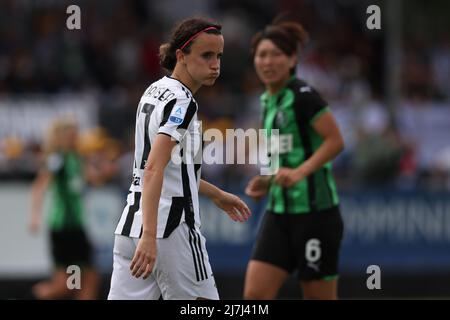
{"x":54,"y":137}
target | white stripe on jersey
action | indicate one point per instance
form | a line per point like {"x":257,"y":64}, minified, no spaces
{"x":166,"y":107}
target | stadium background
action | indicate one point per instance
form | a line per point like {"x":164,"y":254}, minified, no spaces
{"x":389,"y":90}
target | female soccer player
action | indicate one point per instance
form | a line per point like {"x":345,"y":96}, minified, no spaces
{"x":302,"y":228}
{"x":63,"y":173}
{"x":158,"y":236}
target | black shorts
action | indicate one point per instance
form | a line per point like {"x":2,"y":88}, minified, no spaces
{"x":307,"y":243}
{"x":70,"y":247}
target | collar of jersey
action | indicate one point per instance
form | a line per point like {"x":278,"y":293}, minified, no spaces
{"x":266,"y":95}
{"x":185,"y":86}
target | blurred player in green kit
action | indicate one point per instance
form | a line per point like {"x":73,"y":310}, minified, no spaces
{"x":63,"y":173}
{"x":302,"y":227}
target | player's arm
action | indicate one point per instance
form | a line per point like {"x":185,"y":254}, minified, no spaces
{"x":332,"y":145}
{"x":38,"y":189}
{"x":145,"y":255}
{"x":236,"y":209}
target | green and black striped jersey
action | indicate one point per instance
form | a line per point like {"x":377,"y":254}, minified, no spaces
{"x":293,"y":111}
{"x":67,"y":185}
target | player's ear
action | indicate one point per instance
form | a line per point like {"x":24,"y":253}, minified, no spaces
{"x":292,"y":61}
{"x":180,"y":56}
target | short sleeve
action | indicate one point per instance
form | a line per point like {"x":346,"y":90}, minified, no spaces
{"x":177,"y":116}
{"x":310,"y":104}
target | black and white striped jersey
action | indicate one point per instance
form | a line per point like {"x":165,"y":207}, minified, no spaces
{"x":166,"y":107}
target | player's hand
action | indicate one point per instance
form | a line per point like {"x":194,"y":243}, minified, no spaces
{"x":236,"y":209}
{"x":287,"y":177}
{"x":258,"y":187}
{"x":35,"y":224}
{"x":144,"y":257}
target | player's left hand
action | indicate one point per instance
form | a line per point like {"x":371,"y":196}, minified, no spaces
{"x":236,"y":209}
{"x":287,"y":177}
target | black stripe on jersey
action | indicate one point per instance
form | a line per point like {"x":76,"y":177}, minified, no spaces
{"x":187,"y":94}
{"x":183,"y":87}
{"x":197,"y":167}
{"x":284,"y":191}
{"x":302,"y":124}
{"x":193,"y":256}
{"x":191,"y":110}
{"x":264,"y":113}
{"x":187,"y":196}
{"x":175,"y":213}
{"x":198,"y":160}
{"x":130,"y":215}
{"x":201,"y":253}
{"x":63,"y":187}
{"x":167,"y":110}
{"x":147,"y":109}
{"x":327,"y":172}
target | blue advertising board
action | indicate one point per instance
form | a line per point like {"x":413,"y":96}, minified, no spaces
{"x":400,"y":232}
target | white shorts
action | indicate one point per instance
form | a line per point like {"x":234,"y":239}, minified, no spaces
{"x":181,"y":272}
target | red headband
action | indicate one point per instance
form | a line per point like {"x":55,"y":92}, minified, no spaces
{"x":195,"y":36}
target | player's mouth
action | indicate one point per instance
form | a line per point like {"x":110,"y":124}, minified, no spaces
{"x":269,"y":73}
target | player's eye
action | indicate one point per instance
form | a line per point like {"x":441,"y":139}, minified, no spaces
{"x":262,"y":54}
{"x":207,"y":55}
{"x":276,"y":53}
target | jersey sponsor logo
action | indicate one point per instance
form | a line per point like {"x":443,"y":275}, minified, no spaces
{"x":286,"y":143}
{"x":305,"y":89}
{"x":281,"y":119}
{"x":136,"y":181}
{"x":175,"y":119}
{"x":281,"y":144}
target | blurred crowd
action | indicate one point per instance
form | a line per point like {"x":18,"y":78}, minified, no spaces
{"x":113,"y":58}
